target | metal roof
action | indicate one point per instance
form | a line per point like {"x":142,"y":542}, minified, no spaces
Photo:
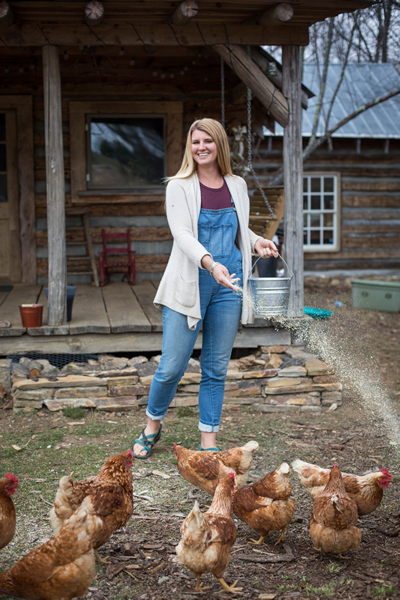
{"x":362,"y":83}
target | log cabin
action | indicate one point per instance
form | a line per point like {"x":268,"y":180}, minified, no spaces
{"x":351,"y":196}
{"x":95,"y":102}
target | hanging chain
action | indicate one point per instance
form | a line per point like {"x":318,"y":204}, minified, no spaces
{"x":250,"y":151}
{"x":222,"y":93}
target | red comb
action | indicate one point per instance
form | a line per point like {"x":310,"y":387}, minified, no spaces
{"x":174,"y":445}
{"x":335,"y":465}
{"x":12,"y":477}
{"x":384,"y":471}
{"x":231,"y":475}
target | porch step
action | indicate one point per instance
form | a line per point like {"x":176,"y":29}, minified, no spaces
{"x":76,"y":258}
{"x":80,"y":273}
{"x":83,"y":214}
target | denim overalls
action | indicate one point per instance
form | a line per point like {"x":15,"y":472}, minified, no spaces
{"x":220,"y":315}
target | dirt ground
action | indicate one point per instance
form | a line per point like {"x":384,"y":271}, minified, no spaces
{"x":142,"y":560}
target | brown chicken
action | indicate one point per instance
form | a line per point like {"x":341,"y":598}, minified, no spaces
{"x":266,"y":505}
{"x":62,"y":568}
{"x":365,"y":490}
{"x":110,"y":493}
{"x":206,"y":469}
{"x":334,"y":517}
{"x":207,"y":538}
{"x":8,"y":486}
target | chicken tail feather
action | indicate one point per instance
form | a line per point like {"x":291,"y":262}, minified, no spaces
{"x":247,"y":456}
{"x":62,"y":509}
{"x":194,"y":528}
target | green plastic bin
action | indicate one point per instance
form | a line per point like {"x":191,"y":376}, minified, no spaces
{"x":376,"y":295}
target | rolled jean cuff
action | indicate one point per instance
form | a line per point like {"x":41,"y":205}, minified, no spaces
{"x":208,"y":428}
{"x":155,"y":418}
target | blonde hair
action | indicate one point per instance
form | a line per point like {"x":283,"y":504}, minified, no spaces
{"x":218,"y":134}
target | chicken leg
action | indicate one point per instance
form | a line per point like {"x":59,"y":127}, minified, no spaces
{"x":102,"y":560}
{"x":281,"y":537}
{"x":199,"y":586}
{"x":229,"y":588}
{"x":260,"y":541}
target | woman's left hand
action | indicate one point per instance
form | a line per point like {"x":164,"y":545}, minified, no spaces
{"x":265,"y":248}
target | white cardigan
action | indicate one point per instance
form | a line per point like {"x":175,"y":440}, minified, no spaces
{"x":179,"y":286}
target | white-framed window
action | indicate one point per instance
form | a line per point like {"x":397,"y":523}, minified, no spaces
{"x":321,"y":214}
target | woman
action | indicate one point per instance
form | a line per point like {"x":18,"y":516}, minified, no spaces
{"x":208,"y":214}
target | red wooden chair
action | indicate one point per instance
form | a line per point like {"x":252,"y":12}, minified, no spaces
{"x":108,"y":266}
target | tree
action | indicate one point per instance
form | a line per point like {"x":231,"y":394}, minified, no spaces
{"x":343,"y":36}
{"x":376,"y":39}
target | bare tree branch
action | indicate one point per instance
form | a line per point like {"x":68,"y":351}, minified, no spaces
{"x":344,"y":65}
{"x":323,"y":79}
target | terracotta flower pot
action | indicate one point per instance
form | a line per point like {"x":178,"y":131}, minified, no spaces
{"x":31,"y":315}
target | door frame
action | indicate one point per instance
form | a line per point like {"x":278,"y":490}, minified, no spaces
{"x":9,"y":211}
{"x":26,"y":182}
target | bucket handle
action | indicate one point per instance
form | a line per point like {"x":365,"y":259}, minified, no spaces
{"x":289,"y":271}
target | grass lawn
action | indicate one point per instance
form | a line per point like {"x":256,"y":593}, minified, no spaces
{"x":142,"y":556}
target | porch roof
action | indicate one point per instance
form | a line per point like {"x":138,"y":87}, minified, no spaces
{"x":146,"y":23}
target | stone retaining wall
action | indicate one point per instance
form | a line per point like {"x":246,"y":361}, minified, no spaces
{"x":273,"y":379}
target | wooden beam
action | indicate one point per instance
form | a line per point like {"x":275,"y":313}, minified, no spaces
{"x":6,"y":14}
{"x":263,"y":116}
{"x":94,"y":13}
{"x":184,"y":13}
{"x":293,"y":178}
{"x":193,"y":34}
{"x":263,"y":63}
{"x":276,"y":15}
{"x":57,"y":272}
{"x":263,"y":89}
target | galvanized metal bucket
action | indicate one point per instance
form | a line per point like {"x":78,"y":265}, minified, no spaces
{"x":270,"y":295}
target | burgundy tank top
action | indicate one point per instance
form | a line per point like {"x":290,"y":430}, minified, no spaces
{"x":215,"y":199}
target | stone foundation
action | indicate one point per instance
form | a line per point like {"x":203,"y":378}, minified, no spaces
{"x":273,"y":379}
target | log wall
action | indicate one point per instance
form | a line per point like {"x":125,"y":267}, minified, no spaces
{"x":370,"y":219}
{"x":370,"y":199}
{"x":191,"y":75}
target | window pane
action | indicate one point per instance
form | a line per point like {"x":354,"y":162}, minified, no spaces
{"x":315,"y":202}
{"x":328,"y":220}
{"x":126,"y":152}
{"x":305,"y":242}
{"x":315,"y":184}
{"x":305,"y":220}
{"x":305,"y":206}
{"x":329,"y":202}
{"x":305,"y":184}
{"x":315,"y":237}
{"x":315,"y":221}
{"x":3,"y":188}
{"x":328,"y":184}
{"x":2,"y":127}
{"x":328,"y":236}
{"x":3,"y":158}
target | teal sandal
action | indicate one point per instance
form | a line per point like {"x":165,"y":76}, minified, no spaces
{"x":147,"y":442}
{"x":208,"y":449}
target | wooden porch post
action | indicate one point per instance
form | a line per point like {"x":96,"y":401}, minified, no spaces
{"x":55,"y":186}
{"x":293,"y":176}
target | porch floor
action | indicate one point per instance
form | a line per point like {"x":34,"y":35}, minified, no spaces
{"x":116,"y":318}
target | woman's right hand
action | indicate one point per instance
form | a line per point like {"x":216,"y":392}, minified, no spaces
{"x":222,"y":276}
